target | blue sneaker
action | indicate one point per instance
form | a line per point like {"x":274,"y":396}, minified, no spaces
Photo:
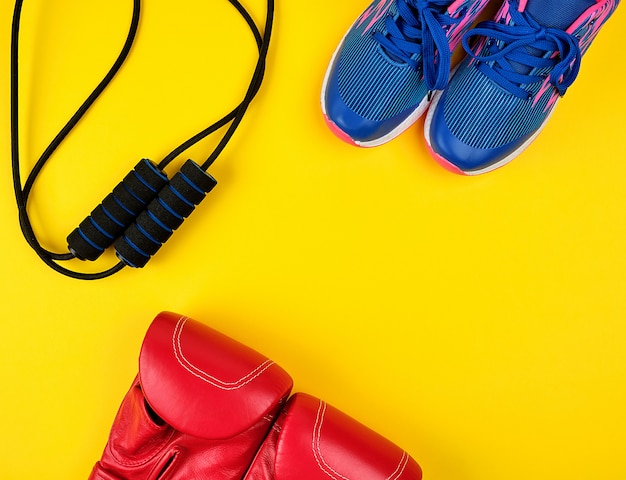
{"x":503,"y":93}
{"x":379,"y":80}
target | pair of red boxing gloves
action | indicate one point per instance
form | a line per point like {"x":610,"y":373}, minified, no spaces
{"x":204,"y":406}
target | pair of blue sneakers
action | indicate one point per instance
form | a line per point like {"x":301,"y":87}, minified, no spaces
{"x":393,"y":65}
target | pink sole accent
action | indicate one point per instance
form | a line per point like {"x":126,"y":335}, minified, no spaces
{"x":339,"y":133}
{"x":444,"y":163}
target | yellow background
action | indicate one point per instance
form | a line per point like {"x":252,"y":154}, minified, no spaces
{"x":477,"y":322}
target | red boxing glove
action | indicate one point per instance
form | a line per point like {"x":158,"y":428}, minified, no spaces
{"x":199,"y":408}
{"x":312,"y":440}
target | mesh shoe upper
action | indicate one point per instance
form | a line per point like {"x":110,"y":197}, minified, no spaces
{"x":504,"y":91}
{"x":395,"y":52}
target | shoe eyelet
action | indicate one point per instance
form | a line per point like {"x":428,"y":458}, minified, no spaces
{"x":462,"y":12}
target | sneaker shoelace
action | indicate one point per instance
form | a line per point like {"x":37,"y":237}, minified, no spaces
{"x":418,"y":30}
{"x":515,"y":55}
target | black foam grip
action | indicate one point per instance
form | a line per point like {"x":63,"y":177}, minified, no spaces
{"x":164,"y":214}
{"x":117,"y":211}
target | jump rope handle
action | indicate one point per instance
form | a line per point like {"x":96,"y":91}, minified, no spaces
{"x":155,"y":224}
{"x":117,"y":211}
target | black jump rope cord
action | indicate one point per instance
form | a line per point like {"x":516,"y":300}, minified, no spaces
{"x":145,"y":208}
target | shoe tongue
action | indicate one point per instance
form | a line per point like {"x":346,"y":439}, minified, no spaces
{"x":552,"y":14}
{"x":440,"y":7}
{"x":557,"y":13}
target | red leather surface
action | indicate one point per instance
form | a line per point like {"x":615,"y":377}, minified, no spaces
{"x":186,"y":440}
{"x":312,"y":440}
{"x":207,"y":407}
{"x":205,"y":383}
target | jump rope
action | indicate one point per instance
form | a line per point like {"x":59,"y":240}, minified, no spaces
{"x":146,"y":207}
